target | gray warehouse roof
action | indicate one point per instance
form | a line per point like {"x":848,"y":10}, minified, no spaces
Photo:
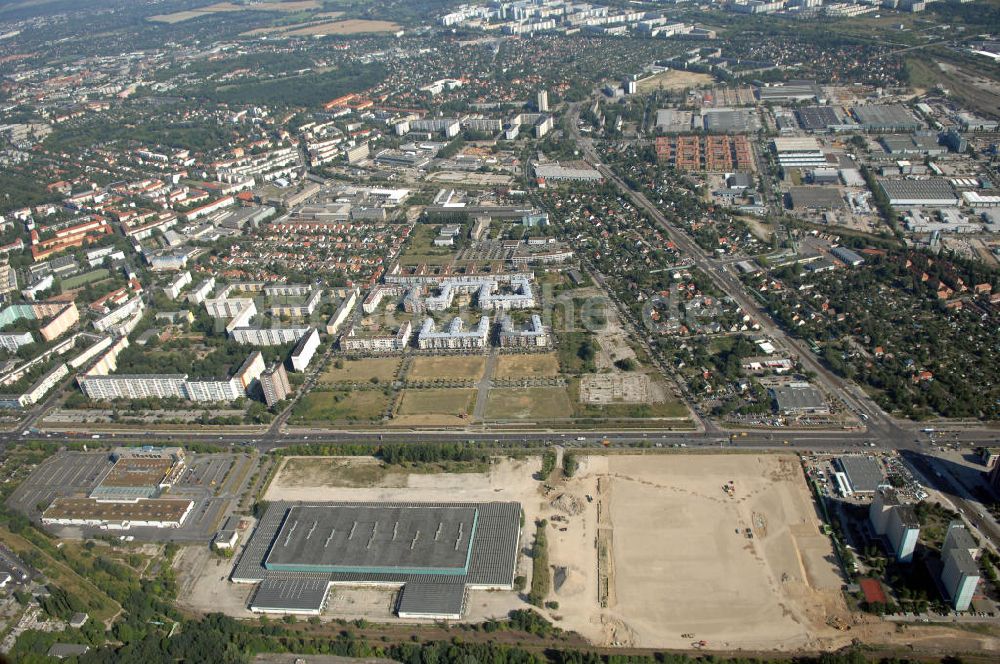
{"x":791,"y":398}
{"x":885,"y":116}
{"x":432,"y":599}
{"x":491,"y":559}
{"x":729,"y":119}
{"x":863,"y":472}
{"x":815,"y":198}
{"x":817,"y":117}
{"x":790,"y":90}
{"x":846,"y":255}
{"x":357,"y":539}
{"x":302,"y":594}
{"x":933,"y":189}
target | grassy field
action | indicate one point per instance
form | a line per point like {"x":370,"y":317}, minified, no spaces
{"x":421,"y":248}
{"x":346,"y":27}
{"x":572,"y":357}
{"x":435,"y":407}
{"x":360,"y":472}
{"x":332,"y":471}
{"x":667,"y":409}
{"x":340,"y":406}
{"x":100,"y":606}
{"x":220,"y":7}
{"x":353,"y":371}
{"x":82,"y":279}
{"x":437,"y":401}
{"x":537,"y":403}
{"x":527,"y":366}
{"x":464,"y":367}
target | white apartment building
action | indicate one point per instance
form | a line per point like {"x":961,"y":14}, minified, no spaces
{"x":177,"y":284}
{"x":202,"y":291}
{"x":304,"y":351}
{"x":535,"y":335}
{"x":377,"y":343}
{"x":455,"y":337}
{"x":268,"y":336}
{"x":112,"y":319}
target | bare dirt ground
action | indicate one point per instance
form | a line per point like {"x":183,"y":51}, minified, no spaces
{"x":293,"y":6}
{"x":345,"y":27}
{"x":613,"y":344}
{"x":674,"y":80}
{"x":203,"y":583}
{"x":620,"y":388}
{"x":677,"y":566}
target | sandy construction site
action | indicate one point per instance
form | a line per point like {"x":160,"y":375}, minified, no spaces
{"x":674,"y":563}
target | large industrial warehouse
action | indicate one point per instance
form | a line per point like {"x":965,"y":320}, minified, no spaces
{"x":436,"y":552}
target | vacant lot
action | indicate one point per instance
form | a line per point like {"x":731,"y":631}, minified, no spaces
{"x":335,"y":471}
{"x":533,"y":403}
{"x":421,"y":248}
{"x":527,"y":366}
{"x":774,"y":590}
{"x":346,"y":27}
{"x":220,"y":7}
{"x":340,"y":406}
{"x":452,"y":368}
{"x":435,"y":407}
{"x":674,"y":80}
{"x":359,"y":371}
{"x":367,"y":479}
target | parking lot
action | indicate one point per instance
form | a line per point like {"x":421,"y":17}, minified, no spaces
{"x":212,"y":481}
{"x":63,"y":474}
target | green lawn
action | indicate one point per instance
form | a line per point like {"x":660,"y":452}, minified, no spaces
{"x":421,"y":248}
{"x":340,"y":406}
{"x":574,"y":356}
{"x":537,"y":403}
{"x":83,"y":279}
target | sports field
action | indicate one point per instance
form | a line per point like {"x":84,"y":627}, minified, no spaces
{"x":435,"y":407}
{"x":527,"y":366}
{"x":340,"y":406}
{"x":359,"y":371}
{"x":461,"y":367}
{"x":532,"y":403}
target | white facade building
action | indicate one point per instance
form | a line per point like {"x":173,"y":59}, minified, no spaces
{"x":304,"y":351}
{"x":455,"y":337}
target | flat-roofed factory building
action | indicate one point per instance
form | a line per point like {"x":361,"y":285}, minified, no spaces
{"x":863,"y":473}
{"x":935,"y":192}
{"x":436,"y":552}
{"x":139,"y":472}
{"x":142,"y":513}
